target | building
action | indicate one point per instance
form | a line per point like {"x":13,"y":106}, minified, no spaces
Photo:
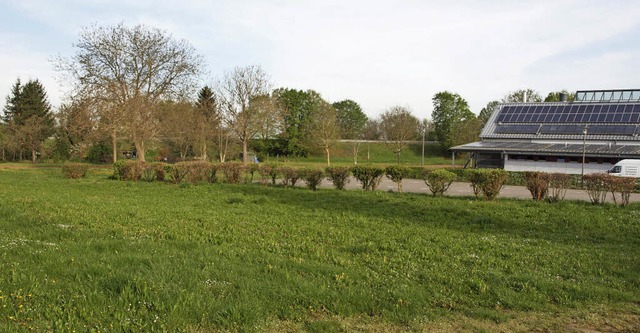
{"x":587,"y":135}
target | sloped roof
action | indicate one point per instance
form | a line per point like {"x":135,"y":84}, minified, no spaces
{"x":514,"y":147}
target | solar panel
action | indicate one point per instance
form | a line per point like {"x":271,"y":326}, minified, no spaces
{"x":579,"y":113}
{"x":561,"y":129}
{"x":517,"y":129}
{"x":611,"y":129}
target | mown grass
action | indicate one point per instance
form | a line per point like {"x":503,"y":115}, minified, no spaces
{"x":102,"y":255}
{"x":375,"y":153}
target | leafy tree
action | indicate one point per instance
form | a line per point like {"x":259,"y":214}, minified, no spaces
{"x":129,"y":70}
{"x":76,"y":124}
{"x":297,"y":106}
{"x":236,"y":90}
{"x":398,"y":125}
{"x":179,"y":124}
{"x":518,"y":96}
{"x":372,"y":130}
{"x":555,"y":96}
{"x":449,"y":111}
{"x":28,"y":117}
{"x":351,"y":121}
{"x":487,"y":111}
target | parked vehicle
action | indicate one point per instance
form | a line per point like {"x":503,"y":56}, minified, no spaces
{"x":626,"y":168}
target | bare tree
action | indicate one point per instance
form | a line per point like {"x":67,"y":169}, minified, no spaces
{"x":180,"y":125}
{"x":398,"y":126}
{"x":131,"y":69}
{"x":236,"y":90}
{"x":323,"y":130}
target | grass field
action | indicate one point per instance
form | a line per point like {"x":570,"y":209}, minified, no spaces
{"x":375,"y":153}
{"x":102,"y":255}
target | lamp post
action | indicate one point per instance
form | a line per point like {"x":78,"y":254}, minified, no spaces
{"x":584,"y":148}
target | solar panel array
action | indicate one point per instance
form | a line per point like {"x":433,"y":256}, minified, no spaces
{"x":574,"y":113}
{"x":619,"y":119}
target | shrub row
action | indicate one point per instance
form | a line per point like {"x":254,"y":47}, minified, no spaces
{"x":598,"y":185}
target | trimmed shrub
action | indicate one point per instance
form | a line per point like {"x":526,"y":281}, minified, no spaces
{"x":198,"y":171}
{"x":119,"y":170}
{"x":178,"y":171}
{"x":537,"y":184}
{"x":290,"y":176}
{"x":396,"y":173}
{"x":74,"y":170}
{"x":597,"y":185}
{"x":148,"y":173}
{"x":312,"y":177}
{"x":232,"y":172}
{"x":264,"y":171}
{"x":369,"y":176}
{"x":622,"y":185}
{"x":212,"y":175}
{"x":251,"y":171}
{"x":489,"y":182}
{"x":558,"y":185}
{"x":339,"y":176}
{"x":128,"y":170}
{"x":439,"y":180}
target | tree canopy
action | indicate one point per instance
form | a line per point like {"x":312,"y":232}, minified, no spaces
{"x":449,"y":110}
{"x":519,"y":96}
{"x":398,"y":126}
{"x":350,"y":118}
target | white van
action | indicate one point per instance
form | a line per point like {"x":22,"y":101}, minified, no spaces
{"x":626,"y":168}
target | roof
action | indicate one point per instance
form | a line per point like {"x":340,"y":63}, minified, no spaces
{"x":514,"y":147}
{"x":619,"y":121}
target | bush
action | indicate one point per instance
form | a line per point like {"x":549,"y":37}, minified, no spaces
{"x":128,"y":170}
{"x":597,"y":185}
{"x":74,"y":170}
{"x":339,"y":176}
{"x":268,"y":171}
{"x":178,"y":171}
{"x":312,"y":177}
{"x":148,"y":173}
{"x":290,"y":176}
{"x":232,"y":172}
{"x":212,"y":175}
{"x":537,"y":184}
{"x":439,"y":180}
{"x":558,"y":185}
{"x":623,"y":185}
{"x":492,"y":182}
{"x":474,"y":176}
{"x":369,"y":176}
{"x":396,"y":173}
{"x":251,"y":170}
{"x":198,"y":171}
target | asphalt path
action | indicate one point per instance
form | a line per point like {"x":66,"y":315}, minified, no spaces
{"x":464,"y":189}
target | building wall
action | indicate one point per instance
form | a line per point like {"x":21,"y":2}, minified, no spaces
{"x":562,"y":167}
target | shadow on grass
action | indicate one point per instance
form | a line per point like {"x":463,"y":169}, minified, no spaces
{"x":565,"y":222}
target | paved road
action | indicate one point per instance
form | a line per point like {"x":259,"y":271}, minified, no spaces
{"x":464,"y":189}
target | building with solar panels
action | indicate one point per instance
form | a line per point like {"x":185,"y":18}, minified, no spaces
{"x":590,"y":134}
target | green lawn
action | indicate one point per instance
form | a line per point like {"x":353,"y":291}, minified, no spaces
{"x":102,"y":255}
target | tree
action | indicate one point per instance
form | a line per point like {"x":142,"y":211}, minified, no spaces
{"x":297,"y":106}
{"x":129,"y":70}
{"x":208,"y":112}
{"x":351,"y":121}
{"x":28,"y":117}
{"x":179,"y":125}
{"x":77,"y":124}
{"x":555,"y":96}
{"x":487,"y":111}
{"x":449,"y":110}
{"x":398,"y":126}
{"x":323,"y":130}
{"x":236,"y":90}
{"x":519,"y":96}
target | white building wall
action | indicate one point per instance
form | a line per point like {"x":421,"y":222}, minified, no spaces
{"x":561,"y":167}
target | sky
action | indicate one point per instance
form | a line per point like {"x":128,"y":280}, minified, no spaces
{"x":378,"y":53}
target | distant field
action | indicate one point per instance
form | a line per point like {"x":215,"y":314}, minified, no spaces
{"x":109,"y":256}
{"x":376,"y":153}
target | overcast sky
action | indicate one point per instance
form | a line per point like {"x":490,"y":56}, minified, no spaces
{"x":378,"y":53}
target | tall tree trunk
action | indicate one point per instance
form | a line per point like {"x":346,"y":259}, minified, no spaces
{"x":245,"y":143}
{"x":140,"y":151}
{"x":204,"y":151}
{"x":326,"y":150}
{"x":114,"y":145}
{"x":398,"y":156}
{"x":33,"y":156}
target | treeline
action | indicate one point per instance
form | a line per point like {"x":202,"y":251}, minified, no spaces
{"x":135,"y":92}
